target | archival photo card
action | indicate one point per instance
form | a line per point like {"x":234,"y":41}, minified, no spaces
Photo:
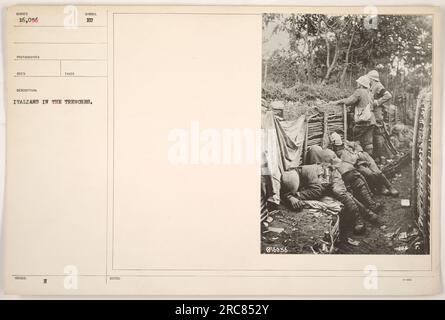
{"x":222,"y":150}
{"x":346,"y":114}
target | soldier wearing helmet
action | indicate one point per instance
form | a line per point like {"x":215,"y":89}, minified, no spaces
{"x":380,"y":96}
{"x":364,"y":120}
{"x":302,"y":183}
{"x":309,"y":182}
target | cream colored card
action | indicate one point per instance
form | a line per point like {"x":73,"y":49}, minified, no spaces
{"x":122,"y":174}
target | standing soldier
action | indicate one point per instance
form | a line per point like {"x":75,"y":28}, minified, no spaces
{"x":381,"y":96}
{"x":364,"y":120}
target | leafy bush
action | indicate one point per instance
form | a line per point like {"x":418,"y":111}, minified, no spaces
{"x":304,"y":93}
{"x":304,"y":98}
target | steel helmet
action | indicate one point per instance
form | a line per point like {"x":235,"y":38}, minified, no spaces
{"x":364,"y":81}
{"x":290,"y":181}
{"x":374,"y":75}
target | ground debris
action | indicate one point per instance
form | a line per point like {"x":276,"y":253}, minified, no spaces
{"x":413,"y":233}
{"x":403,"y":236}
{"x":391,"y":235}
{"x":401,"y":249}
{"x":404,"y":202}
{"x":353,"y":242}
{"x":275,"y":229}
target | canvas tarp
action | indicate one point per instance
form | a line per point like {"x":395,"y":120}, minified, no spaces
{"x":282,"y":149}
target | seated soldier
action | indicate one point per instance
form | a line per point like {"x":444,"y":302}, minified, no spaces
{"x":317,"y":155}
{"x":306,"y":183}
{"x":369,"y":169}
{"x":365,"y":164}
{"x":355,"y":182}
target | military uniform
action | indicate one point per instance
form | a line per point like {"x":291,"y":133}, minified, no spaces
{"x":381,"y":96}
{"x":362,"y":130}
{"x":311,"y":184}
{"x":334,"y":185}
{"x":354,"y":181}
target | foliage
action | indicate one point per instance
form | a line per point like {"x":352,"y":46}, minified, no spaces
{"x":324,"y":49}
{"x":306,"y":93}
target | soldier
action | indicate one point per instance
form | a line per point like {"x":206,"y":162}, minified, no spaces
{"x":304,"y":183}
{"x":355,"y":182}
{"x":369,"y":169}
{"x":364,"y":120}
{"x":380,"y":97}
{"x":365,"y":164}
{"x":309,"y":182}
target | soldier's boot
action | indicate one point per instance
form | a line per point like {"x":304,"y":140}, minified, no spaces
{"x":359,"y":225}
{"x":382,"y":185}
{"x":365,"y":196}
{"x":350,"y":212}
{"x":384,"y":190}
{"x":394,"y":192}
{"x":386,"y":185}
{"x":372,"y":217}
{"x":367,"y":214}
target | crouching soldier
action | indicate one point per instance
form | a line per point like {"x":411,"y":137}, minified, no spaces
{"x":308,"y":183}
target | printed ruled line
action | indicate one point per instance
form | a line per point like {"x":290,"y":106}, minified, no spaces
{"x":54,"y":275}
{"x":56,"y":59}
{"x":113,"y":149}
{"x":37,"y":42}
{"x":39,"y":26}
{"x":166,"y":269}
{"x":222,"y":276}
{"x":17,"y":76}
{"x":108,"y":168}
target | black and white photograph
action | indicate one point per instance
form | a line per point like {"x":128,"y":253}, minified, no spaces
{"x":258,"y":151}
{"x":346,"y":122}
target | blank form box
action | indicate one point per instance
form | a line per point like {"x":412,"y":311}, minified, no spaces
{"x":36,"y":68}
{"x":84,"y":68}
